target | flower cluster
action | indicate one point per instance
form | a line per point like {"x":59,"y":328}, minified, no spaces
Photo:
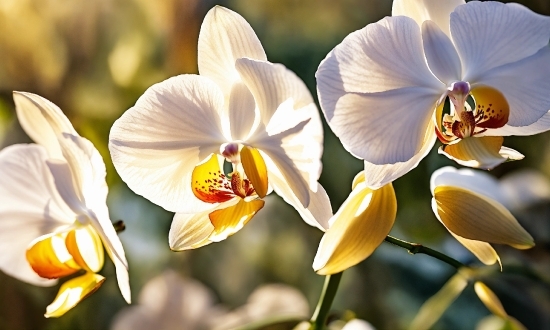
{"x":210,"y":147}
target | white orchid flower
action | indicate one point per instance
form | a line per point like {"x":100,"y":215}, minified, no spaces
{"x":469,"y":204}
{"x":170,"y":147}
{"x":383,"y":89}
{"x":54,"y":220}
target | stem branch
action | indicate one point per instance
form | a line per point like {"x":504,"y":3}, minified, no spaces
{"x":320,"y":315}
{"x":415,"y":248}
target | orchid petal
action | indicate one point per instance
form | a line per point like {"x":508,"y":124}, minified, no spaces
{"x":278,"y":161}
{"x":377,"y":176}
{"x":72,"y":292}
{"x":441,"y":54}
{"x":42,"y":120}
{"x":422,"y":10}
{"x":241,"y":110}
{"x":526,"y":93}
{"x":434,"y":307}
{"x":228,"y":221}
{"x":319,"y":210}
{"x":49,"y":257}
{"x":156,"y":144}
{"x":357,"y":229}
{"x":84,"y":244}
{"x":477,"y":181}
{"x":224,"y":37}
{"x":388,"y":136}
{"x":255,"y":169}
{"x":483,"y":251}
{"x":490,"y":34}
{"x":540,"y":126}
{"x":190,"y":231}
{"x":272,"y":84}
{"x":474,"y":216}
{"x":490,"y":299}
{"x":31,"y":207}
{"x":298,"y":136}
{"x":389,"y":50}
{"x":484,"y":152}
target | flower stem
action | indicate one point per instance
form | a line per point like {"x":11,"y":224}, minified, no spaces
{"x":320,"y":315}
{"x":415,"y":248}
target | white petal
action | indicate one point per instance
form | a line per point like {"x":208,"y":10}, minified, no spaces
{"x":100,"y":220}
{"x":156,"y":144}
{"x":298,"y":133}
{"x":272,"y":84}
{"x":540,"y":126}
{"x":30,"y":208}
{"x":476,"y":181}
{"x":42,"y":121}
{"x":87,"y":168}
{"x":190,"y":231}
{"x":525,"y":85}
{"x":422,"y":10}
{"x":226,"y":36}
{"x":490,"y":34}
{"x":319,"y":210}
{"x":241,"y":111}
{"x":277,"y":161}
{"x":384,"y":128}
{"x":382,"y":56}
{"x":441,"y":54}
{"x":377,"y":176}
{"x":357,"y":324}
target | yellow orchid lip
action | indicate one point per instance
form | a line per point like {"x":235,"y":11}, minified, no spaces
{"x":491,"y":111}
{"x":210,"y":185}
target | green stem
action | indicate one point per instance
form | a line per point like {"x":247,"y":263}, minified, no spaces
{"x":319,"y":318}
{"x":415,"y":248}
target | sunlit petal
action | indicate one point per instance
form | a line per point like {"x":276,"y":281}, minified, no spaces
{"x":318,"y":212}
{"x":30,"y":208}
{"x":156,"y":144}
{"x":190,"y":231}
{"x":384,"y":137}
{"x":379,"y":175}
{"x":230,"y":220}
{"x":480,"y":152}
{"x":42,"y":120}
{"x":255,"y":169}
{"x":49,"y":258}
{"x":421,"y":10}
{"x":540,"y":126}
{"x":389,"y":50}
{"x":490,"y":299}
{"x":490,"y":34}
{"x":525,"y":86}
{"x":474,"y":216}
{"x":272,"y":84}
{"x":85,"y":247}
{"x":434,"y":307}
{"x":241,"y":111}
{"x":356,"y":230}
{"x":474,"y":180}
{"x":72,"y":292}
{"x":225,"y":36}
{"x":440,"y":52}
{"x":483,"y":251}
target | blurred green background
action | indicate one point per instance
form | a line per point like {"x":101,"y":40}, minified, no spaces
{"x":95,"y":58}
